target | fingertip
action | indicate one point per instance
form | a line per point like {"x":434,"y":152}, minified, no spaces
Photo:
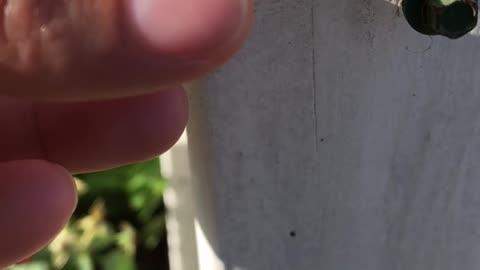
{"x":37,"y":199}
{"x":122,"y":131}
{"x":188,"y":28}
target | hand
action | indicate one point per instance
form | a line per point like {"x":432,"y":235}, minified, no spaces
{"x":94,"y":86}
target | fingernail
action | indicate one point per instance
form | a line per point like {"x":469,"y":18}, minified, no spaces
{"x":187,"y":28}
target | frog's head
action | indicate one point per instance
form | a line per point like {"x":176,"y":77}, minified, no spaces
{"x":449,"y":18}
{"x":457,"y":19}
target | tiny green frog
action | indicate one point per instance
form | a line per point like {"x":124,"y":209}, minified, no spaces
{"x":450,"y":18}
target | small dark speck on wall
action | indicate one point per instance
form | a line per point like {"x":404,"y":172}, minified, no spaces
{"x":293,"y":234}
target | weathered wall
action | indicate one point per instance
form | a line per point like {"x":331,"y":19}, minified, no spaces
{"x":338,"y":139}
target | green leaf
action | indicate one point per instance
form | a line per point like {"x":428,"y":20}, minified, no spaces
{"x":126,"y":189}
{"x":101,"y":243}
{"x":153,"y":231}
{"x":42,"y":255}
{"x":79,"y":262}
{"x":119,"y":261}
{"x":31,"y":266}
{"x":126,"y":239}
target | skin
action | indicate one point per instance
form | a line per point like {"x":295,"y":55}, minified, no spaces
{"x":92,"y":89}
{"x":83,"y":49}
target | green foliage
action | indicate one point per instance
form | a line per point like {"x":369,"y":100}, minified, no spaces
{"x":130,"y":193}
{"x":120,"y":214}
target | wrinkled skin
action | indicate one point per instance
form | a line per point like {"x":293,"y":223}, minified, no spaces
{"x":49,"y":36}
{"x":88,"y":85}
{"x":85,"y":48}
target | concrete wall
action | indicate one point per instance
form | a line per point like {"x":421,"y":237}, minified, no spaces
{"x":339,"y":139}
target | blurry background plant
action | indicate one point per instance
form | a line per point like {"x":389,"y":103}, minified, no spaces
{"x":119,"y":224}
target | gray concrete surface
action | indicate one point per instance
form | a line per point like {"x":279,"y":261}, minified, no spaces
{"x":340,"y":139}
